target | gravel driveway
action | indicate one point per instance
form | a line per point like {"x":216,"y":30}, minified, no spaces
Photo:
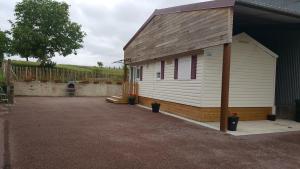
{"x":88,"y":133}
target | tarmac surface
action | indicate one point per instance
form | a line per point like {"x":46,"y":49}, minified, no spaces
{"x":88,"y":133}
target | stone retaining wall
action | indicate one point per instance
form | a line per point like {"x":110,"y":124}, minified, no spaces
{"x":36,"y":88}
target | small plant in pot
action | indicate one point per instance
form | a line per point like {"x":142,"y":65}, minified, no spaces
{"x":233,"y":120}
{"x":131,"y":99}
{"x":155,"y":107}
{"x":297,"y":115}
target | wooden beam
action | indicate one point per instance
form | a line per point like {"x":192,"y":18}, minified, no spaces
{"x":225,"y":87}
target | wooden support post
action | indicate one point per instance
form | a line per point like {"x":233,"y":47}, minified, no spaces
{"x":9,"y":83}
{"x":125,"y":82}
{"x":7,"y":71}
{"x":225,"y":87}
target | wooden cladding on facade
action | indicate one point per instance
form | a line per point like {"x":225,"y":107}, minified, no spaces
{"x":207,"y":114}
{"x":178,"y":33}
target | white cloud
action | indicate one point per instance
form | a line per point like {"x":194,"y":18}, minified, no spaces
{"x":109,"y":24}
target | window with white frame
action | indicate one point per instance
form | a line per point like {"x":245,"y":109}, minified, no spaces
{"x":158,"y":75}
{"x":159,"y":70}
{"x":184,"y":68}
{"x":135,"y":73}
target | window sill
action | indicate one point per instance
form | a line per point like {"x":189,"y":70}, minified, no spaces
{"x":185,"y":79}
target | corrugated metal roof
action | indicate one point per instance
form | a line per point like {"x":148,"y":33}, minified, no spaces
{"x":286,"y":6}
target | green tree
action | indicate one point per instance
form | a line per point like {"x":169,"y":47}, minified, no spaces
{"x":42,"y":28}
{"x":3,"y":45}
{"x":100,"y":64}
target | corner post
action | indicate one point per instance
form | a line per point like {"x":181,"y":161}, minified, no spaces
{"x":225,"y":87}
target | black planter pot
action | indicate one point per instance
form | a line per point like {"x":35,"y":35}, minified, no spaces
{"x":271,"y":117}
{"x":297,"y":115}
{"x":155,"y":107}
{"x":131,"y":100}
{"x":232,"y":123}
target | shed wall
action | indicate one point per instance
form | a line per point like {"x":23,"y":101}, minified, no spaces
{"x":286,"y":44}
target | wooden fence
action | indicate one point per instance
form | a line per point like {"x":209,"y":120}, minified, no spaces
{"x":130,"y":88}
{"x":23,"y":73}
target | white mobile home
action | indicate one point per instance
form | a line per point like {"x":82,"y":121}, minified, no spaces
{"x":195,"y":91}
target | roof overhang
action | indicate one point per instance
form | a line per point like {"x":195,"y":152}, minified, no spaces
{"x":244,"y":12}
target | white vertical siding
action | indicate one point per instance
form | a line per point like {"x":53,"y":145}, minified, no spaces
{"x":179,"y":91}
{"x":251,"y":85}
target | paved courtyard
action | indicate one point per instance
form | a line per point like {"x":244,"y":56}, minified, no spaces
{"x":260,"y":127}
{"x":88,"y":133}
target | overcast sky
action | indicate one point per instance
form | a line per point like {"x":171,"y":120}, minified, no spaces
{"x":109,"y":25}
